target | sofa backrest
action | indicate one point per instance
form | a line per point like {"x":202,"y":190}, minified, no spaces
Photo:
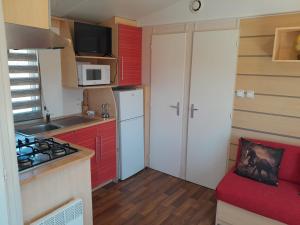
{"x":290,"y":164}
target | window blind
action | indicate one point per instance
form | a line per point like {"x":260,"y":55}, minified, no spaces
{"x":25,"y":82}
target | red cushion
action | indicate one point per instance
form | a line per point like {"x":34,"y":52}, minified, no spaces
{"x":290,"y":163}
{"x":280,"y":203}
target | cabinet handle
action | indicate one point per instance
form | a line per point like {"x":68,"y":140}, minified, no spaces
{"x":177,"y":107}
{"x":122,"y":62}
{"x":98,"y":149}
{"x":193,"y":109}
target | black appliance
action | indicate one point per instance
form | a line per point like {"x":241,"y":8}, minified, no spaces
{"x":92,"y":39}
{"x":32,"y":152}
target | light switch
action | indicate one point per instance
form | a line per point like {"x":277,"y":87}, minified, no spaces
{"x":240,"y":93}
{"x":250,"y":94}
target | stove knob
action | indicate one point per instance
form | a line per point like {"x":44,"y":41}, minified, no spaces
{"x":20,"y":142}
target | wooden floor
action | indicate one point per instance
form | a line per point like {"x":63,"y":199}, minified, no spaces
{"x":151,"y":198}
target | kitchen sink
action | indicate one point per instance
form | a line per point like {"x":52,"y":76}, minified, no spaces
{"x":39,"y":129}
{"x":73,"y":120}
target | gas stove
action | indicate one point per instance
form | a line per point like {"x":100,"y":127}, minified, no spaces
{"x":32,"y":152}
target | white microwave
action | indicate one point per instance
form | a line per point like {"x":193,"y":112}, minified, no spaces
{"x":89,"y":74}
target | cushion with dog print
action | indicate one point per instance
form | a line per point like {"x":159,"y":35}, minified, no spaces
{"x":259,"y":162}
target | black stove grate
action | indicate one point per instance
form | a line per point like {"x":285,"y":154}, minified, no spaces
{"x":39,"y":151}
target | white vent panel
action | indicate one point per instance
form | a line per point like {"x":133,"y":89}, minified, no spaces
{"x":69,"y":214}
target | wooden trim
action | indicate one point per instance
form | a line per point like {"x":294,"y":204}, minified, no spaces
{"x":284,"y":86}
{"x":270,"y":104}
{"x":265,"y":66}
{"x":267,"y":123}
{"x":233,"y":215}
{"x":230,"y":164}
{"x":10,"y":205}
{"x":256,"y":46}
{"x":233,"y":152}
{"x":266,"y":25}
{"x":33,"y":13}
{"x":68,"y":62}
{"x":236,"y":133}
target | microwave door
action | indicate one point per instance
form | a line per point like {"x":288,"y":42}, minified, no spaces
{"x":93,"y":76}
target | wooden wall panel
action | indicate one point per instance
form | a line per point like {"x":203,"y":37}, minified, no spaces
{"x":266,"y":25}
{"x":236,"y":133}
{"x":286,"y":126}
{"x":256,"y":46}
{"x":270,"y":104}
{"x":265,"y":66}
{"x":230,"y":165}
{"x":233,"y":152}
{"x":285,"y":86}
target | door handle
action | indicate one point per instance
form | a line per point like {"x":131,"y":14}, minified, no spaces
{"x":122,"y":64}
{"x":193,"y":109}
{"x":177,"y":107}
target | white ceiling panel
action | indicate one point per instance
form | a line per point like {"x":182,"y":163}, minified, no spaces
{"x":99,"y":10}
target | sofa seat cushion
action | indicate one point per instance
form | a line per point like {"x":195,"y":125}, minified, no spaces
{"x":281,"y":203}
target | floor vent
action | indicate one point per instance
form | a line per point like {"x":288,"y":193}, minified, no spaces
{"x":69,"y":214}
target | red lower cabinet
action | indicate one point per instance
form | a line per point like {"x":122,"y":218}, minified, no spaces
{"x":102,"y":140}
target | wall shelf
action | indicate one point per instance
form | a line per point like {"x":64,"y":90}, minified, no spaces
{"x":95,"y":57}
{"x":98,"y":86}
{"x":285,"y":45}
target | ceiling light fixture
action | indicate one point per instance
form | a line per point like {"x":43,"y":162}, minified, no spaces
{"x":195,"y":6}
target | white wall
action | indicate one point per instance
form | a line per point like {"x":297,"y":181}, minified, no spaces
{"x":216,"y":9}
{"x":59,"y":101}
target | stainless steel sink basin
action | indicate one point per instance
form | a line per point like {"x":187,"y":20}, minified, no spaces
{"x":39,"y":129}
{"x":73,"y":120}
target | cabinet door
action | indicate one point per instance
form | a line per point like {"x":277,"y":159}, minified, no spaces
{"x":167,"y":91}
{"x":87,"y":138}
{"x":130,"y":55}
{"x":69,"y":137}
{"x":34,"y":13}
{"x":108,"y":158}
{"x":211,"y":97}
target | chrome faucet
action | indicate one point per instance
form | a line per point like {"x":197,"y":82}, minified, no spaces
{"x":48,"y":117}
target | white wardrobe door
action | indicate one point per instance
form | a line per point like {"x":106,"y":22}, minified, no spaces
{"x":212,"y":92}
{"x":167,"y":86}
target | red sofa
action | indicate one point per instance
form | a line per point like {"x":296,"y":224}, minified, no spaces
{"x":281,"y":203}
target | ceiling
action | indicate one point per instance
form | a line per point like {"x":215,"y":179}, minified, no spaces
{"x":99,"y":10}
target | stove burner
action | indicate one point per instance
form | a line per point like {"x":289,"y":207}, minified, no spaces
{"x":24,"y":161}
{"x":58,"y":151}
{"x":39,"y":151}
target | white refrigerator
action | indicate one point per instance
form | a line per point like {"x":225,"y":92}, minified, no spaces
{"x":131,"y":131}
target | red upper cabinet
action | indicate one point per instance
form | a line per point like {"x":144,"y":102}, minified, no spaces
{"x":130,"y":55}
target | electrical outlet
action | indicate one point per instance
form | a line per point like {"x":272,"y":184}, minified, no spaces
{"x":240,"y":93}
{"x":250,"y":94}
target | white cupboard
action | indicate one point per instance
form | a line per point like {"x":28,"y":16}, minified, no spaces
{"x":211,"y":102}
{"x":167,"y":86}
{"x":212,"y":78}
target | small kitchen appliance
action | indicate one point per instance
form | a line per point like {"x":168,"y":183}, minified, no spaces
{"x":90,"y":74}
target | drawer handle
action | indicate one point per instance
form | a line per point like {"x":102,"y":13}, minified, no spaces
{"x":98,"y":149}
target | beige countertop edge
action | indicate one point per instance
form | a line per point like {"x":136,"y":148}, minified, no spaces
{"x":43,"y":170}
{"x":83,"y":154}
{"x":76,"y":127}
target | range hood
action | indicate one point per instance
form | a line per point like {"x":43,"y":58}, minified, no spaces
{"x":25,"y":37}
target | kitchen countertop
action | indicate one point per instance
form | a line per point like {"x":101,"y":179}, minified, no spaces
{"x":50,"y":167}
